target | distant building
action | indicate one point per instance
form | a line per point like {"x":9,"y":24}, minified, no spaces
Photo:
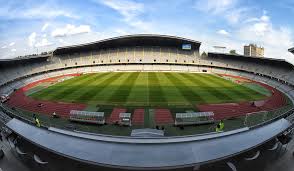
{"x":253,"y":50}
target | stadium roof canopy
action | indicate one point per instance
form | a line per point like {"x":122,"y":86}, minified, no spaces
{"x":129,"y":41}
{"x":27,"y":59}
{"x":291,"y":50}
{"x":237,"y":57}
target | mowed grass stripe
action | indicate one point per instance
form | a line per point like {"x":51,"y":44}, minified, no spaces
{"x":75,"y":80}
{"x":58,"y":87}
{"x":109,"y":88}
{"x":208,"y":87}
{"x":64,"y":91}
{"x":139,"y":91}
{"x":85,"y":87}
{"x":251,"y":93}
{"x":147,"y":89}
{"x":198,"y":88}
{"x":70,"y":92}
{"x":156,"y":95}
{"x":123,"y":91}
{"x":242,"y":92}
{"x":224,"y":86}
{"x":184,"y":89}
{"x":218,"y":89}
{"x":98,"y":86}
{"x":171,"y":93}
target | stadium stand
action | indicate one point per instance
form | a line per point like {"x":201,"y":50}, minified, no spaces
{"x":144,"y":53}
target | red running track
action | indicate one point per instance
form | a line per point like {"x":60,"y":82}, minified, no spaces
{"x":138,"y":117}
{"x":163,"y":116}
{"x":114,"y":117}
{"x":20,"y":100}
{"x":53,"y":79}
{"x":237,"y":77}
{"x":228,"y":110}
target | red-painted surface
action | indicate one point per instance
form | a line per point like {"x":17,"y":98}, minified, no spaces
{"x":138,"y":117}
{"x":20,"y":100}
{"x":114,"y":117}
{"x":163,"y":116}
{"x":228,"y":110}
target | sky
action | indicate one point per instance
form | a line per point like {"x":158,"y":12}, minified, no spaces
{"x":34,"y":26}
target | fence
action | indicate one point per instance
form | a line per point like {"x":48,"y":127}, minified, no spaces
{"x":250,"y":120}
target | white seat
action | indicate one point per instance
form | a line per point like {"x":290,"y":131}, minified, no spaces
{"x":232,"y":166}
{"x":275,"y":146}
{"x":19,"y":151}
{"x":253,"y":157}
{"x":38,"y":160}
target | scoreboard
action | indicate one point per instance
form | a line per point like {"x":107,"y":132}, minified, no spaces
{"x":186,"y":46}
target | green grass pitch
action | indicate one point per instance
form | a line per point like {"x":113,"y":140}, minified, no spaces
{"x":147,"y":89}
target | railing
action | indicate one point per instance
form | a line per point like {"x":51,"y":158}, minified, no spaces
{"x":274,"y":115}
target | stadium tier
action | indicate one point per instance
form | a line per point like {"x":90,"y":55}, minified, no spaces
{"x":146,"y":84}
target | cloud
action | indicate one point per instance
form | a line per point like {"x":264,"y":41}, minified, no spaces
{"x":227,"y":9}
{"x":259,"y":30}
{"x":233,"y":16}
{"x":247,"y":28}
{"x":214,"y":6}
{"x":257,"y":26}
{"x":131,"y":11}
{"x":263,"y":18}
{"x":70,"y":30}
{"x":45,"y":26}
{"x":223,"y":32}
{"x":121,"y":31}
{"x":44,"y":42}
{"x":28,"y":10}
{"x":275,"y":39}
{"x":61,"y":41}
{"x":32,"y":39}
{"x":13,"y":50}
{"x":6,"y":46}
{"x":47,"y":12}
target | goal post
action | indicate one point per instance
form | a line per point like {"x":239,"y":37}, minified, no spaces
{"x":255,"y":118}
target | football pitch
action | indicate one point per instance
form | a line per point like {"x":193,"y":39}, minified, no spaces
{"x":147,"y":89}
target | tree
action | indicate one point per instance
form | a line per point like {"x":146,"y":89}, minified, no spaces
{"x":204,"y":55}
{"x":233,"y":52}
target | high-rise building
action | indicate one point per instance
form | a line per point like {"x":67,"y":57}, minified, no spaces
{"x":253,"y":50}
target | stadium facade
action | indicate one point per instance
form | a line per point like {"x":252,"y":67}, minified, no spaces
{"x":140,"y":53}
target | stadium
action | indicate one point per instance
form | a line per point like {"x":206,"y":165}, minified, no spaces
{"x":145,"y":102}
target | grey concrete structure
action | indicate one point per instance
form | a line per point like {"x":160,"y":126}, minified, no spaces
{"x":142,"y":53}
{"x":155,"y":153}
